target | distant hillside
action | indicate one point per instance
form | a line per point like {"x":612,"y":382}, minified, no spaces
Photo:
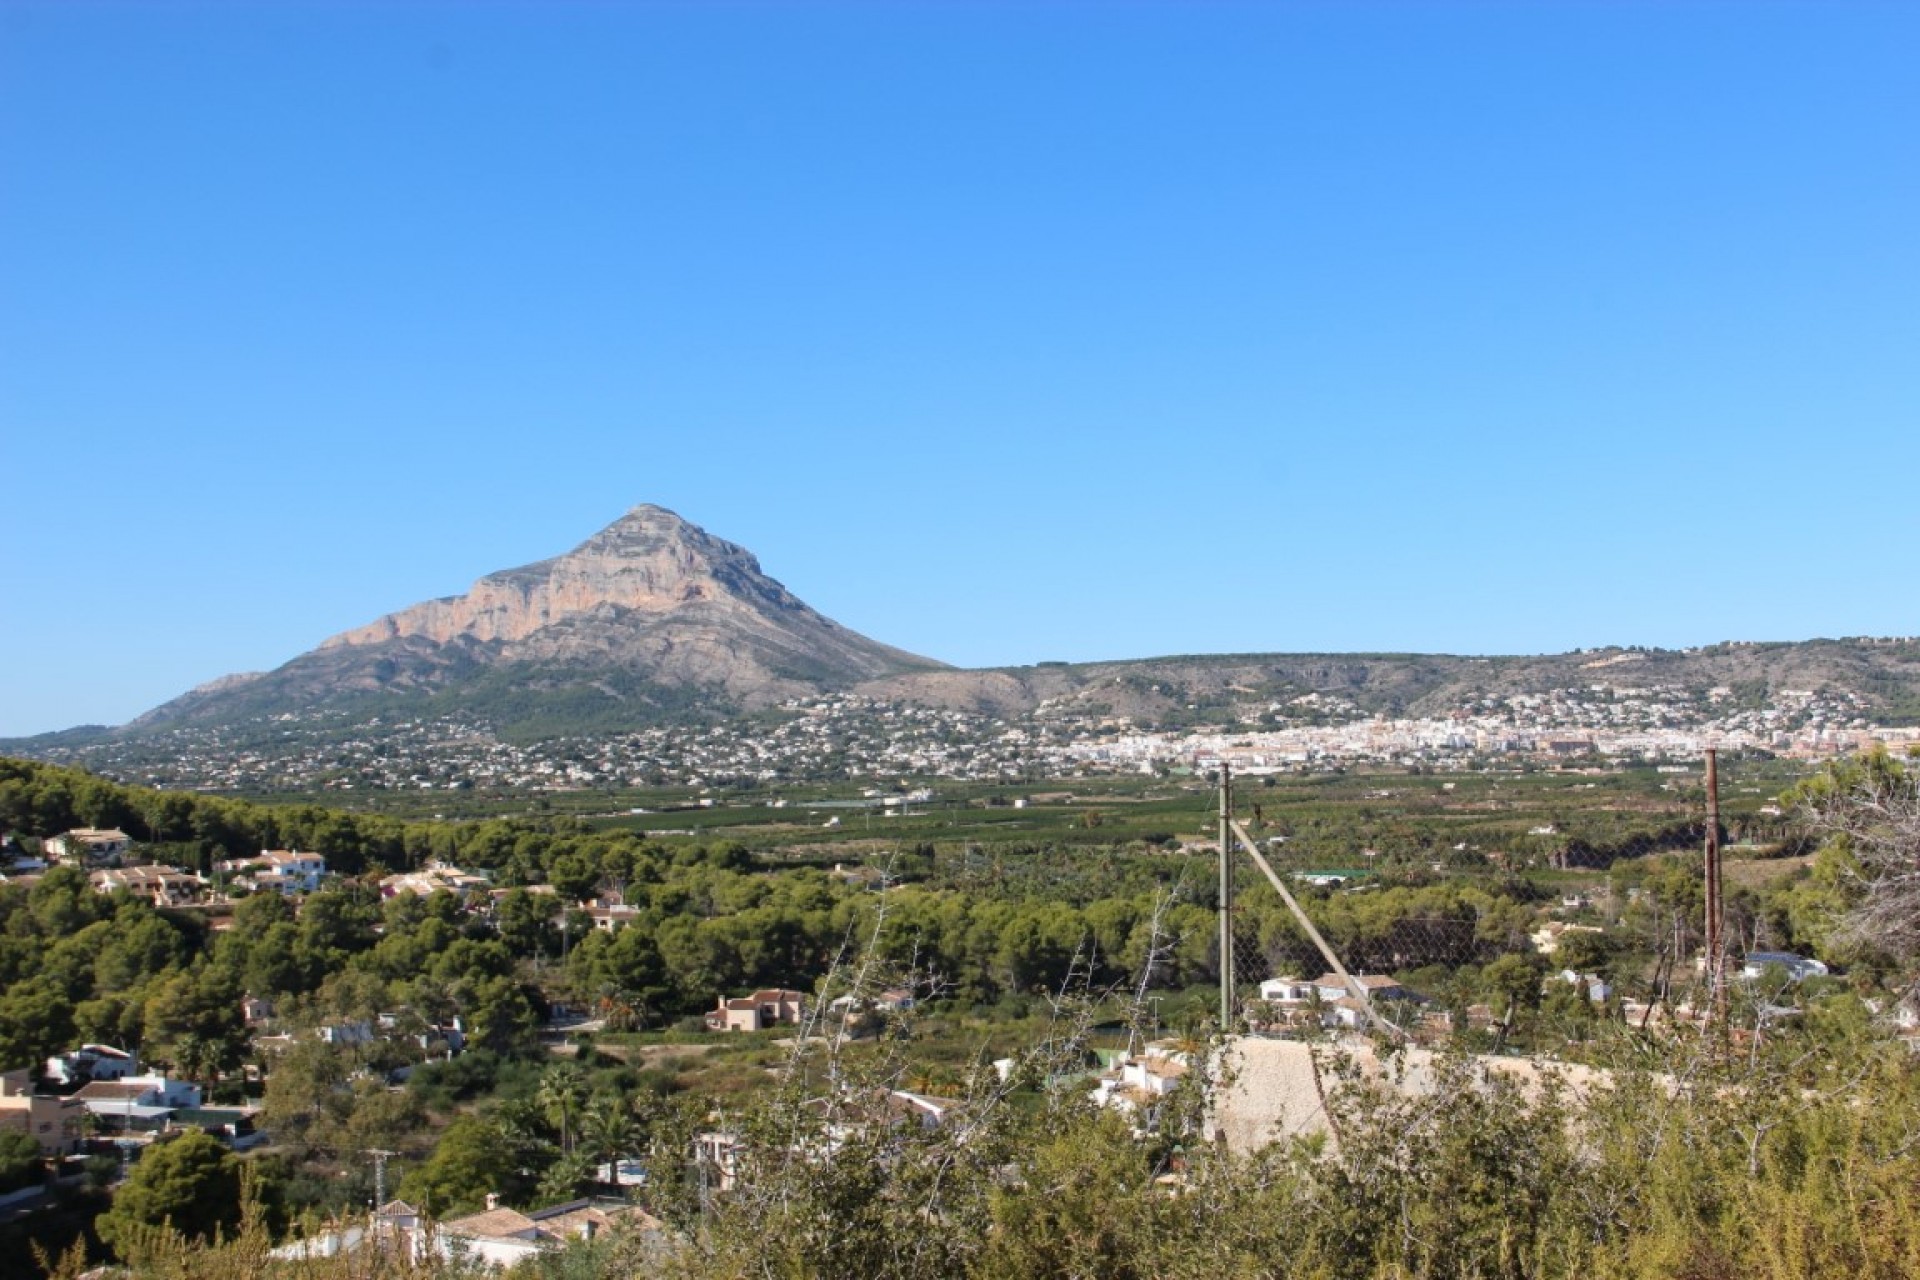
{"x":1883,"y":674}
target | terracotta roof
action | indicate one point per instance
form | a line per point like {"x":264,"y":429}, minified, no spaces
{"x":496,"y":1223}
{"x":1369,"y":982}
{"x":561,"y":1221}
{"x":574,"y":1222}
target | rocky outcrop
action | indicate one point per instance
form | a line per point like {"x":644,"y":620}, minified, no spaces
{"x":649,"y":562}
{"x":651,"y":611}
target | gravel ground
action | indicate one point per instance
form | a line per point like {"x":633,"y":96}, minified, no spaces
{"x":1274,"y":1088}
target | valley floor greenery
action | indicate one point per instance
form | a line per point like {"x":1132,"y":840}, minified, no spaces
{"x":1035,"y":933}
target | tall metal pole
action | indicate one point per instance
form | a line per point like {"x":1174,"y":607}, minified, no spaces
{"x":1226,"y":898}
{"x":380,"y":1159}
{"x":1716,"y":911}
{"x":375,"y":1244}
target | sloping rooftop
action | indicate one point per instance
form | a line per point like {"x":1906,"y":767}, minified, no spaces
{"x":494,"y":1224}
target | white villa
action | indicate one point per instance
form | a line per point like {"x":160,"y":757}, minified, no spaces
{"x":285,"y":871}
{"x":1137,"y":1083}
{"x":1290,"y":1002}
{"x":91,"y":846}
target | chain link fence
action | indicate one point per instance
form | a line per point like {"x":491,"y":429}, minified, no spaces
{"x":1434,"y":959}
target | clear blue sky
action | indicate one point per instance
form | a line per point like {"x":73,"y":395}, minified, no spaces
{"x":1001,"y":332}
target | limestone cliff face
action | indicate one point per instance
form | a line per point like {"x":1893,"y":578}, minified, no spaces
{"x":649,"y":562}
{"x":648,"y":594}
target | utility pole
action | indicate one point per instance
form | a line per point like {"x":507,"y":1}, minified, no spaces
{"x":1226,"y":898}
{"x":1716,"y":910}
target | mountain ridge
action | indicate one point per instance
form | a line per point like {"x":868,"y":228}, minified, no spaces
{"x":653,"y":620}
{"x":1883,"y":673}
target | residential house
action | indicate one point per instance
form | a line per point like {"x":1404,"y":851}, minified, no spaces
{"x":162,"y":886}
{"x":137,"y":1102}
{"x":499,"y":1238}
{"x":762,"y":1009}
{"x":1326,"y":1001}
{"x":442,"y":1040}
{"x":1138,"y":1082}
{"x":15,"y":861}
{"x":859,"y":877}
{"x":53,"y":1122}
{"x":1377,"y":986}
{"x":893,"y":1000}
{"x":284,"y":871}
{"x":89,"y":846}
{"x":717,"y":1157}
{"x":1343,"y":1009}
{"x":1287,"y":990}
{"x":1285,"y":1003}
{"x":849,"y":1112}
{"x":238,"y":1127}
{"x":1334,"y":879}
{"x":306,"y":870}
{"x":1796,"y":966}
{"x":435,"y":1040}
{"x":88,"y":1063}
{"x":610,"y":913}
{"x":434,"y":877}
{"x":397,"y":1227}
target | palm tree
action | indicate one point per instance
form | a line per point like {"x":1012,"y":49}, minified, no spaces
{"x":561,"y":1091}
{"x":934,"y":1081}
{"x":616,"y":1006}
{"x":609,"y":1131}
{"x":1190,"y":1043}
{"x":566,"y":1177}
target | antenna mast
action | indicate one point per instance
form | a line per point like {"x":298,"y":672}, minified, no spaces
{"x":1226,"y":899}
{"x":380,"y":1159}
{"x":1716,"y":908}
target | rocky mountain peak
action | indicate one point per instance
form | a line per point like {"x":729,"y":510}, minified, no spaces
{"x":651,"y":616}
{"x":648,"y":530}
{"x":650,"y":561}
